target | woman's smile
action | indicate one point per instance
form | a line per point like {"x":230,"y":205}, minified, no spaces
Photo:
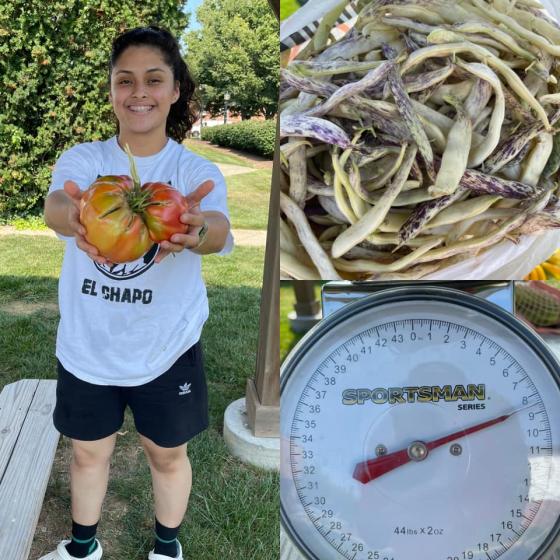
{"x":140,"y":109}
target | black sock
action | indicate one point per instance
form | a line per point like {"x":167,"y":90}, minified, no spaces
{"x":166,"y":540}
{"x":83,"y":540}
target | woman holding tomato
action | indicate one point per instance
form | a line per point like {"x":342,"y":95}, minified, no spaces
{"x":129,"y":333}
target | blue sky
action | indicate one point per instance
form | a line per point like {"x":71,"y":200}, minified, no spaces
{"x":191,"y":7}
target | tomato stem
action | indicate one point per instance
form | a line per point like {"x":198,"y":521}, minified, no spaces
{"x":137,"y":198}
{"x":133,"y":169}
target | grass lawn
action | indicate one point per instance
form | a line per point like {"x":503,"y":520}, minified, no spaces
{"x":288,"y":338}
{"x":233,"y":509}
{"x":214,"y":153}
{"x":248,"y":198}
{"x":287,"y":8}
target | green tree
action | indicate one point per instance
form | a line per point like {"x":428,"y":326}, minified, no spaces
{"x":54,"y":83}
{"x":236,"y":51}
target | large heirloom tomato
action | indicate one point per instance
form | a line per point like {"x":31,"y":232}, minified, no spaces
{"x":162,"y":214}
{"x":123,"y":219}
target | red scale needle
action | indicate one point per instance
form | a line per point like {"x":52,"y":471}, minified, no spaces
{"x":367,"y":471}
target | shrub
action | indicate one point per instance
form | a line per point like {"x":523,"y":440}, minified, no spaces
{"x":257,"y":137}
{"x":54,"y":82}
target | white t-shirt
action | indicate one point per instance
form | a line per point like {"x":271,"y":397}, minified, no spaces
{"x":127,"y":324}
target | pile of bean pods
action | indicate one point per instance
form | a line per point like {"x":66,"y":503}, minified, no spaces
{"x":422,"y":137}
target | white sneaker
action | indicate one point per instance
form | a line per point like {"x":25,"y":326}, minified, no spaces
{"x":62,"y":554}
{"x":154,"y":556}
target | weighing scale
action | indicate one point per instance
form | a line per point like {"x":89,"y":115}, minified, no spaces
{"x":421,"y":421}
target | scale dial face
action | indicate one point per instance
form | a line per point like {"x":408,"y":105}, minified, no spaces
{"x":421,"y":423}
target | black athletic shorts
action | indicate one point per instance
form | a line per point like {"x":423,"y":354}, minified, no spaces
{"x":169,"y":410}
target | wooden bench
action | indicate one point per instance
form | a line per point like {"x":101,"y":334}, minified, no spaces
{"x":28,"y":442}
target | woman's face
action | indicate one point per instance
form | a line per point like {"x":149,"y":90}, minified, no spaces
{"x":142,"y":91}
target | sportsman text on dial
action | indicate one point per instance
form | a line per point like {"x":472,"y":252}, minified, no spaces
{"x":402,"y":395}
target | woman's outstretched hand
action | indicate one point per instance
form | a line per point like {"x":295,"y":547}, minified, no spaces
{"x":194,"y":218}
{"x":74,"y":194}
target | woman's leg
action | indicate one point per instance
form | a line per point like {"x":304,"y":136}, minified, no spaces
{"x":171,"y":481}
{"x":89,"y":476}
{"x":168,"y":412}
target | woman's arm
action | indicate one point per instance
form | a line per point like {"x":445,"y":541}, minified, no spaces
{"x":216,"y":236}
{"x":62,"y":214}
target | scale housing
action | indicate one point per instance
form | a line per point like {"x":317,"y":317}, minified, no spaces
{"x":337,"y":295}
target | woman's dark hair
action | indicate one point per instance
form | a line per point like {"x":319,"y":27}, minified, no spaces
{"x":182,"y":113}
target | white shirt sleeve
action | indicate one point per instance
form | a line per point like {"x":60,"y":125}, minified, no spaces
{"x":75,"y":164}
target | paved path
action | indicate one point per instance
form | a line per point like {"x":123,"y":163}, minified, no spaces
{"x":243,"y":237}
{"x":229,"y":169}
{"x":249,"y":237}
{"x":257,"y":162}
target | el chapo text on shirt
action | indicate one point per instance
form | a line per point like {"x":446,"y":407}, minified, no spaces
{"x":116,"y":293}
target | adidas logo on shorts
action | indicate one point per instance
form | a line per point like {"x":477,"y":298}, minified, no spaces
{"x":184,"y":389}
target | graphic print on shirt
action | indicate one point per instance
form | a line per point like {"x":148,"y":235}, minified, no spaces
{"x":126,"y":271}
